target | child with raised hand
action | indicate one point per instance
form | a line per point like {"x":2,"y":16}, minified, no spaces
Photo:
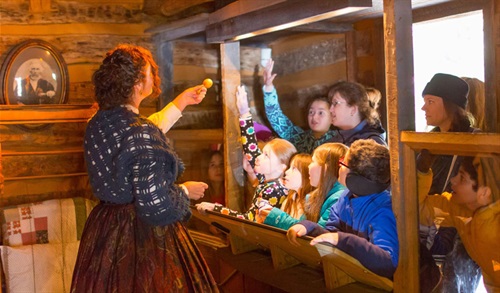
{"x":323,"y":174}
{"x":473,"y":208}
{"x":361,"y":223}
{"x":318,"y":117}
{"x":269,"y":165}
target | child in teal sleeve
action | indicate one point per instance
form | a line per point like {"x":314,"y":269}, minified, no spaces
{"x":323,"y":174}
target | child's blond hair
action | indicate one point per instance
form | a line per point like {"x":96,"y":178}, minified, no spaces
{"x":327,"y":155}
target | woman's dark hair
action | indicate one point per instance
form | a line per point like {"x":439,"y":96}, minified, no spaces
{"x":355,"y":95}
{"x":461,"y":120}
{"x":318,"y":98}
{"x":121,"y":69}
{"x":370,"y":160}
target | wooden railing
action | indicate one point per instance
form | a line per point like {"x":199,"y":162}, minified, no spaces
{"x":339,"y":268}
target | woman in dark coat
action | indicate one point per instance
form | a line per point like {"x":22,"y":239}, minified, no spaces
{"x":135,"y":239}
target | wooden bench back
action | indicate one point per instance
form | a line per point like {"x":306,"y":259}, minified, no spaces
{"x":338,"y":267}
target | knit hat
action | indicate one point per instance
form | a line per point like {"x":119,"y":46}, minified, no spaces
{"x":448,"y":87}
{"x":262,"y":132}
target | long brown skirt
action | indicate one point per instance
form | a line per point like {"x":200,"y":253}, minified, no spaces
{"x":120,"y":253}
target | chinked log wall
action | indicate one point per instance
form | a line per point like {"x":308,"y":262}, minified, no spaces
{"x":82,"y":32}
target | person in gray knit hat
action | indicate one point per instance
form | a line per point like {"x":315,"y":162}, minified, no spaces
{"x":448,"y":87}
{"x":445,"y":100}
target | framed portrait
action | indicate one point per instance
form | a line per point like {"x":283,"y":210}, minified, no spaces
{"x":34,"y":73}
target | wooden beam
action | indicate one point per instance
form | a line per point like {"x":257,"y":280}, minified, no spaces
{"x":172,"y":7}
{"x":73,"y":29}
{"x":401,"y":116}
{"x":240,"y":7}
{"x":180,"y":29}
{"x":491,"y":27}
{"x":352,"y":57}
{"x":37,"y":177}
{"x":233,"y":150}
{"x":463,"y":144}
{"x":10,"y":115}
{"x":284,"y":15}
{"x":323,"y":27}
{"x":446,"y":9}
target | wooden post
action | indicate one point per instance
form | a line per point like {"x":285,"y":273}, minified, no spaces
{"x":401,"y":116}
{"x":491,"y":16}
{"x":233,"y":150}
{"x":352,"y":60}
{"x":1,"y":178}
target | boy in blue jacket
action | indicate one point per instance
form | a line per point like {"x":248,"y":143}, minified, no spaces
{"x":362,"y":222}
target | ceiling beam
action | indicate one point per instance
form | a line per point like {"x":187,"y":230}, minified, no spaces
{"x":240,"y":7}
{"x":323,"y":27}
{"x":282,"y":15}
{"x":181,"y":28}
{"x":172,"y":7}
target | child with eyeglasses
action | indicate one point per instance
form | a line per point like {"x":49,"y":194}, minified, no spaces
{"x":362,"y":222}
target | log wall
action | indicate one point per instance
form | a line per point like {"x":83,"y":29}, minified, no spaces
{"x":44,"y":160}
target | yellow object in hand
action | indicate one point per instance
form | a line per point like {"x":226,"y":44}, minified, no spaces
{"x":208,"y":83}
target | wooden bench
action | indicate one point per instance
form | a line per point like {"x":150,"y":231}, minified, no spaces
{"x":339,"y":268}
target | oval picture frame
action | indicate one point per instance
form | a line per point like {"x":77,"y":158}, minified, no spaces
{"x":34,"y":73}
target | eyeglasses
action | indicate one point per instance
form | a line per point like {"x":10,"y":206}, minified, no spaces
{"x":341,"y":163}
{"x":335,"y":103}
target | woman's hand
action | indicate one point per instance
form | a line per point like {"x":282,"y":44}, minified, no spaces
{"x":190,"y":96}
{"x":205,"y":206}
{"x":269,"y":76}
{"x":196,"y":190}
{"x":332,"y":238}
{"x":295,"y":231}
{"x":242,"y":101}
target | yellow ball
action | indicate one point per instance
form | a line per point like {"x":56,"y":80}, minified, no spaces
{"x":208,"y":83}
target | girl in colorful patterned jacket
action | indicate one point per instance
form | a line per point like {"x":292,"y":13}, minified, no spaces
{"x":361,"y":223}
{"x":318,"y":117}
{"x":269,"y":165}
{"x":323,"y":174}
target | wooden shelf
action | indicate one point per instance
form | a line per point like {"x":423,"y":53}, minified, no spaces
{"x":12,"y":115}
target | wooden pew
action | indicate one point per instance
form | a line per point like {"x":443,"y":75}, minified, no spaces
{"x":339,"y":268}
